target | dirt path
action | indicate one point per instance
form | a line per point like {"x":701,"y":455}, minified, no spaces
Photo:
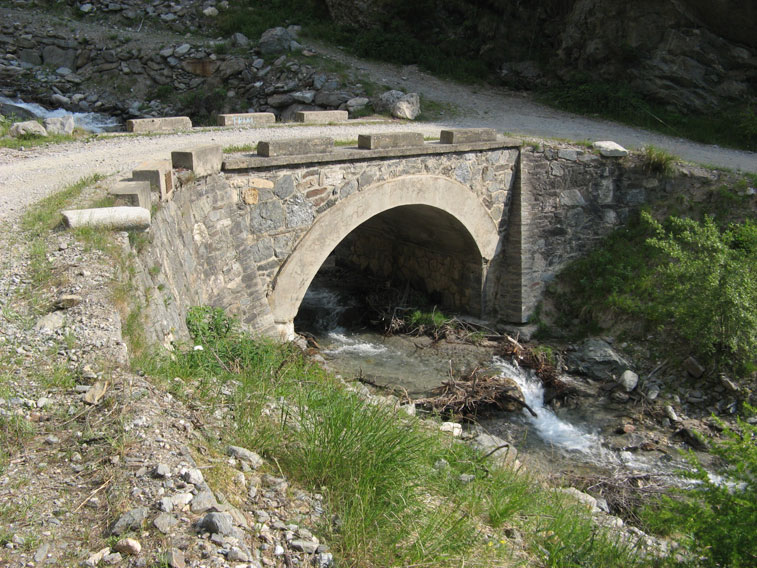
{"x":515,"y":113}
{"x":29,"y":175}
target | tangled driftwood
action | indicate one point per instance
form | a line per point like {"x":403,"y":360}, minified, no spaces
{"x":477,"y":393}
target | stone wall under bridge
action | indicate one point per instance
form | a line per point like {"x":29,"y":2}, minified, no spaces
{"x":484,"y":225}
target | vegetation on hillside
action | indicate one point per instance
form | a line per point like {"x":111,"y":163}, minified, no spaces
{"x":693,"y":281}
{"x":717,"y":518}
{"x":404,"y":494}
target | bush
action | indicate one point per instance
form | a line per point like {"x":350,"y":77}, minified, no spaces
{"x":708,"y":286}
{"x":718,"y":517}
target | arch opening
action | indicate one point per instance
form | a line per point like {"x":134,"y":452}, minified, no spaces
{"x":428,"y":230}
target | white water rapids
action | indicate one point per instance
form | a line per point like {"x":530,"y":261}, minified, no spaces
{"x":549,"y":427}
{"x":89,"y":121}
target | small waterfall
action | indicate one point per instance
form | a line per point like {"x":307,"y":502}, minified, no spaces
{"x":551,"y":429}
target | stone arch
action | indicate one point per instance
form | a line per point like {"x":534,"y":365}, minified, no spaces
{"x":330,"y":228}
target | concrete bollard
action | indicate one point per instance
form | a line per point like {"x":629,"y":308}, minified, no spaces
{"x":136,"y":193}
{"x":202,"y":160}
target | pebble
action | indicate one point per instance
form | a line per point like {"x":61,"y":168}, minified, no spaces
{"x":162,"y":470}
{"x":175,"y":558}
{"x":165,"y":522}
{"x":97,"y":557}
{"x":128,"y":546}
{"x":132,"y":520}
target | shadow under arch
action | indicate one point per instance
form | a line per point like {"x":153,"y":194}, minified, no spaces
{"x":331,"y":227}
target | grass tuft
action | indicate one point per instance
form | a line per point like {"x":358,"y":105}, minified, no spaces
{"x":658,"y":161}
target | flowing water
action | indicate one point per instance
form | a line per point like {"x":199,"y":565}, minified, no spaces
{"x":568,"y":440}
{"x":89,"y":121}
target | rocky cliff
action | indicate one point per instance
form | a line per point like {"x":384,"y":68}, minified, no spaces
{"x":696,"y":55}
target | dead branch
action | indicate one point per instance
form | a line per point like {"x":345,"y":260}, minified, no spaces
{"x":476,"y":393}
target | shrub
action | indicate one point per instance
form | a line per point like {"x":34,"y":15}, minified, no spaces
{"x":708,"y":286}
{"x":718,"y":517}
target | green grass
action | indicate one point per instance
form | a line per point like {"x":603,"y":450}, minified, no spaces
{"x":658,"y":161}
{"x":45,"y":214}
{"x":235,"y":148}
{"x":377,"y":467}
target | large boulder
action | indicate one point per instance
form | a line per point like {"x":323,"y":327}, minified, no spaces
{"x":385,"y":101}
{"x":27,"y":128}
{"x":596,"y":359}
{"x":276,"y":40}
{"x":408,"y":107}
{"x":398,"y":104}
{"x":61,"y":125}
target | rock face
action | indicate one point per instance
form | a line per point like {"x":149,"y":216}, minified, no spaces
{"x":694,"y":54}
{"x":125,"y":78}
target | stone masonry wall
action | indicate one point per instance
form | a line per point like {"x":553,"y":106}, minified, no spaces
{"x":222,"y":239}
{"x":452,"y":278}
{"x":570,"y":198}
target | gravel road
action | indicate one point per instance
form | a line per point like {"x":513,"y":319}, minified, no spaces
{"x":28,"y":175}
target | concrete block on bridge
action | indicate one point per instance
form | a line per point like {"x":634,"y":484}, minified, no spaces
{"x":246,"y":119}
{"x":467,"y":135}
{"x":321,"y":116}
{"x":389,"y":140}
{"x":159,"y":174}
{"x":163,"y":124}
{"x":202,"y":160}
{"x":132,"y":193}
{"x":113,"y":218}
{"x":295,"y":147}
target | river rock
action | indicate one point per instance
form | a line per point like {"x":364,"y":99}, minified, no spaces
{"x":499,"y":451}
{"x":596,"y":359}
{"x":27,"y":128}
{"x":628,"y":380}
{"x":693,"y":368}
{"x":63,"y":125}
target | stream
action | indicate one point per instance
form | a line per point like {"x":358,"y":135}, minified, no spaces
{"x":567,"y":440}
{"x":90,"y":121}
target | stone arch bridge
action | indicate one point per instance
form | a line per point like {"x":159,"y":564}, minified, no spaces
{"x":479,"y":221}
